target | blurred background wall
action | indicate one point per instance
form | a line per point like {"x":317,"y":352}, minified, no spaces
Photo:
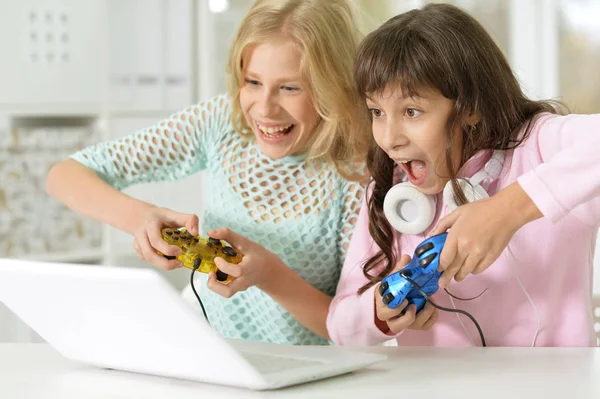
{"x":75,"y":72}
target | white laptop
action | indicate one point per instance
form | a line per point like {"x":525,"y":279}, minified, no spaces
{"x":132,"y":319}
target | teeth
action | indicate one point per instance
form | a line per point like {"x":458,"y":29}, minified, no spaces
{"x":410,"y":160}
{"x":272,"y":130}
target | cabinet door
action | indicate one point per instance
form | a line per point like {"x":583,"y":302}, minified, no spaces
{"x":150,"y":54}
{"x":52,"y":52}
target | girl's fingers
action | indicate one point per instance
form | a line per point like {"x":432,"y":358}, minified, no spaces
{"x":150,"y":255}
{"x":234,"y":270}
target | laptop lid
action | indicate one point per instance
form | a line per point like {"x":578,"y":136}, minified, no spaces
{"x":121,"y":318}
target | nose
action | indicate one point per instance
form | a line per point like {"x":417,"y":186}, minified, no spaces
{"x":392,"y":136}
{"x":268,"y":104}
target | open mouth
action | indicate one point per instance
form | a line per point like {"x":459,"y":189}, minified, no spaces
{"x":274,"y":132}
{"x":415,"y":170}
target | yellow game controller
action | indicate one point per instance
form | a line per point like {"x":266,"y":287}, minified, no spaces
{"x":199,"y":253}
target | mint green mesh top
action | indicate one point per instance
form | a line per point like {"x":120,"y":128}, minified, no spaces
{"x":303,"y":213}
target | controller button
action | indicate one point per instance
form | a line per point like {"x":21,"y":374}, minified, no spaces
{"x":214,"y":241}
{"x":229,"y":251}
{"x":221,"y":276}
{"x":427,"y":260}
{"x":406,"y":273}
{"x":196,"y":240}
{"x":168,"y":232}
{"x":383,"y":287}
{"x":170,"y":257}
{"x":424,"y":248}
{"x":387,"y":298}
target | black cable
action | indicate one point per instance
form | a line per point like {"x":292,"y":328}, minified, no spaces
{"x":435,"y":305}
{"x":195,"y":293}
{"x":464,"y":299}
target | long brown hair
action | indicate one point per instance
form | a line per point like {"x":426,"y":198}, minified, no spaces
{"x":440,"y":47}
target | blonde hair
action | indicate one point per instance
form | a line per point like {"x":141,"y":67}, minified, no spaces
{"x":327,"y":37}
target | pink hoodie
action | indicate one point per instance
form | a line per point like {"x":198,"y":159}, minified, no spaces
{"x":558,"y":166}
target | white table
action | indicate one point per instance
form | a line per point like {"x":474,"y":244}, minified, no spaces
{"x":37,"y":371}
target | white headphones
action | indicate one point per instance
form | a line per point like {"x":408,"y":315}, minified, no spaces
{"x":411,"y":212}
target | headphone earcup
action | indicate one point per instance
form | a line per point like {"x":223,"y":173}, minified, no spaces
{"x":472,"y":193}
{"x":407,"y":209}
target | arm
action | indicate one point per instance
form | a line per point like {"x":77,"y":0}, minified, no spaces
{"x":266,"y":271}
{"x":351,"y":319}
{"x":306,"y":303}
{"x":82,"y":190}
{"x":91,"y":181}
{"x":567,"y":180}
{"x":561,"y":165}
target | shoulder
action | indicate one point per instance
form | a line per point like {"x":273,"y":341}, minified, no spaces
{"x":213,"y":117}
{"x":218,"y":105}
{"x":548,"y":123}
{"x":352,"y":181}
{"x":548,"y":133}
{"x":353,"y":174}
{"x":532,"y":126}
{"x":220,"y":101}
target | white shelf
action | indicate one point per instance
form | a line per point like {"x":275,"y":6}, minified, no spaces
{"x":87,"y":255}
{"x":52,"y":110}
{"x":150,"y":113}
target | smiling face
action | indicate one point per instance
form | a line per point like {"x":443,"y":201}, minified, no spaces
{"x":275,"y":98}
{"x":413,"y":132}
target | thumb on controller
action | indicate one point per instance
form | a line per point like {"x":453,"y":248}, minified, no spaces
{"x":401,"y":264}
{"x":187,"y":220}
{"x":236,"y":240}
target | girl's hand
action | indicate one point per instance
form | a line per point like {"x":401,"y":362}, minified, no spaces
{"x":147,"y":236}
{"x":259,"y":267}
{"x":394,"y":319}
{"x":480,"y":231}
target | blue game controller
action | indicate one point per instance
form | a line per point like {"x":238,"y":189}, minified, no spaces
{"x":422,"y":270}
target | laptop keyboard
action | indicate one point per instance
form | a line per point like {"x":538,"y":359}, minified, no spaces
{"x":269,"y":364}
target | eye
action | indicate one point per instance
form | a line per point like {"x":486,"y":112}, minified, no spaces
{"x":412,"y":112}
{"x":252,"y":82}
{"x":376,"y":113}
{"x":290,"y":88}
